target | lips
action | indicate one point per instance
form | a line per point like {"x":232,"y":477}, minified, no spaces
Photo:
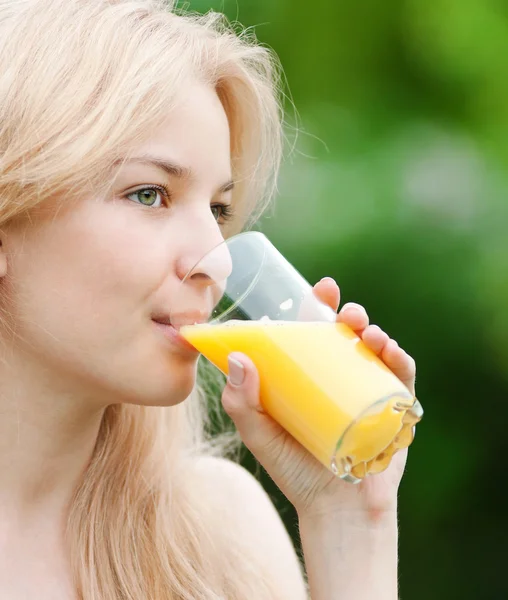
{"x":178,"y":320}
{"x":175,"y":339}
{"x":170,"y":326}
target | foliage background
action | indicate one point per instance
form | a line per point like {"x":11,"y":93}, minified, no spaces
{"x":398,"y":188}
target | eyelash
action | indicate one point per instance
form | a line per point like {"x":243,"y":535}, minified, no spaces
{"x":227,"y":211}
{"x":162,"y":189}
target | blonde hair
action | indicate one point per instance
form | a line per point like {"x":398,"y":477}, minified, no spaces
{"x":81,"y":81}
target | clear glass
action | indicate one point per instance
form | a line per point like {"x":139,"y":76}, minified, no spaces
{"x":318,"y":379}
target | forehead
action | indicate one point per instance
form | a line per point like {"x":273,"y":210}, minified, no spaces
{"x":195,"y":134}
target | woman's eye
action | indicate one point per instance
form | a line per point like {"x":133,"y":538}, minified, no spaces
{"x":216,"y":211}
{"x":152,"y":197}
{"x":222,"y":212}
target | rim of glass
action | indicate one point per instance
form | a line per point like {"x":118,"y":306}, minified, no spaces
{"x":226,"y":242}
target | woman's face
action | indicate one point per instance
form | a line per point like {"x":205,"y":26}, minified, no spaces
{"x":85,"y":281}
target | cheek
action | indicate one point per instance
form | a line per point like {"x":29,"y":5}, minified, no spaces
{"x":90,"y":275}
{"x":80,"y":293}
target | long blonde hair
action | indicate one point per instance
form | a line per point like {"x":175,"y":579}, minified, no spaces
{"x":81,"y":81}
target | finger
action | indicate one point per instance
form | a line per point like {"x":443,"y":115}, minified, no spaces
{"x":375,"y":338}
{"x":321,"y":302}
{"x":241,"y":402}
{"x":399,"y":361}
{"x":354,"y":316}
{"x":328,"y":292}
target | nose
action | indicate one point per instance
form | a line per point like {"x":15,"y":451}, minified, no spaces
{"x":203,"y":265}
{"x":206,"y":260}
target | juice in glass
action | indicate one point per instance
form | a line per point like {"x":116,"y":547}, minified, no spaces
{"x":323,"y":385}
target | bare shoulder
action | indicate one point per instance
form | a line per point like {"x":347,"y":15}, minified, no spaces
{"x":248,"y":510}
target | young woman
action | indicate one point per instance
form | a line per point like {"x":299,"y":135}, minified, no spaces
{"x":132,"y":141}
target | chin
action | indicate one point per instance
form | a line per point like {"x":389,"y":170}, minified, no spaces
{"x":168,"y":390}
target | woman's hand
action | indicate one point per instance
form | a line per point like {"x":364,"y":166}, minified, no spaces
{"x":308,"y":485}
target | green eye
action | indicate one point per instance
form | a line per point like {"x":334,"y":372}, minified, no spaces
{"x":222,"y":212}
{"x":149,"y":196}
{"x":216,"y":211}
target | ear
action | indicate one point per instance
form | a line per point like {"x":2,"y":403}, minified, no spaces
{"x":3,"y":260}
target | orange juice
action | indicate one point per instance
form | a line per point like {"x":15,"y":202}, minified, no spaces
{"x":323,"y":385}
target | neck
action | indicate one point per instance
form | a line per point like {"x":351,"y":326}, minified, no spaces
{"x":47,"y":436}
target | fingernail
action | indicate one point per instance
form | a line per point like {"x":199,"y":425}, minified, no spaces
{"x":327,"y":279}
{"x":350,"y":305}
{"x":236,"y":371}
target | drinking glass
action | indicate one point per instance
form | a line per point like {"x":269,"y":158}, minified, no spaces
{"x":318,"y":379}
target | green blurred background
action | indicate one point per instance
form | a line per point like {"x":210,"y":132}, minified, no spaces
{"x":397,"y":188}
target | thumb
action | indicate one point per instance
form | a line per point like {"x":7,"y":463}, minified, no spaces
{"x":241,"y":401}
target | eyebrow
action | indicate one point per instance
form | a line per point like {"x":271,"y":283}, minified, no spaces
{"x":175,"y":170}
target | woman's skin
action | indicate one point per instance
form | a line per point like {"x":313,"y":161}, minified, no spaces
{"x":82,"y":283}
